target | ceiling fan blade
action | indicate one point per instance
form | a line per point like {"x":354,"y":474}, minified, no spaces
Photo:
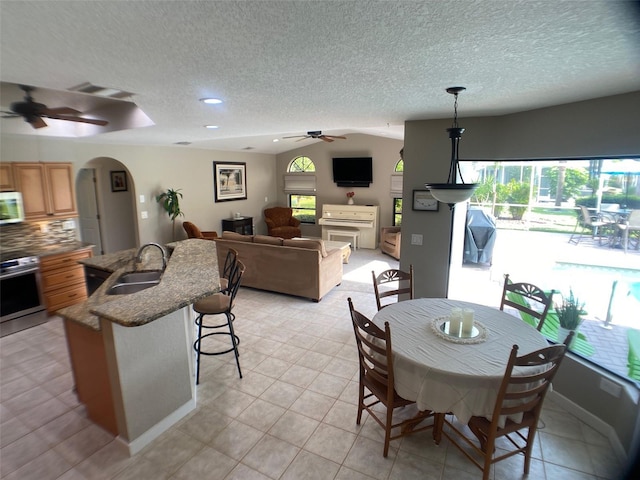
{"x":60,"y":111}
{"x":296,"y":136}
{"x":9,"y":115}
{"x":79,"y":119}
{"x":325,"y":138}
{"x":303,"y":138}
{"x":37,"y":122}
{"x":336,"y":136}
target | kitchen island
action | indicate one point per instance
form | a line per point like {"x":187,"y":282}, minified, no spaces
{"x":132,"y":355}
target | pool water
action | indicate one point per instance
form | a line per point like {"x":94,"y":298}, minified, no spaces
{"x":600,"y":287}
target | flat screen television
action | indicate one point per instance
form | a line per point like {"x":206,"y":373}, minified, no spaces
{"x":353,"y":171}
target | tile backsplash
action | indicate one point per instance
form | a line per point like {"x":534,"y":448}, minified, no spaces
{"x":36,"y":235}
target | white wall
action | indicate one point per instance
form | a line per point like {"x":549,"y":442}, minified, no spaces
{"x":385,"y":153}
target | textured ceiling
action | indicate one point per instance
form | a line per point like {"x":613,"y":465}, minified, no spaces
{"x":287,"y":67}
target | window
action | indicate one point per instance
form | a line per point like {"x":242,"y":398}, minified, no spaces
{"x":396,"y":188}
{"x":301,"y":187}
{"x":534,"y":206}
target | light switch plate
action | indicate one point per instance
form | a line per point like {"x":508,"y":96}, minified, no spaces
{"x":144,"y":214}
{"x":416,"y":239}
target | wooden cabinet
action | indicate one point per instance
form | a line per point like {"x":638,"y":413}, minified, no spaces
{"x":6,"y":178}
{"x":62,"y":278}
{"x":47,"y":189}
{"x":242,"y":225}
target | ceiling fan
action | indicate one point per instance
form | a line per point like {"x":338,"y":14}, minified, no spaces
{"x":317,"y":134}
{"x":33,"y":112}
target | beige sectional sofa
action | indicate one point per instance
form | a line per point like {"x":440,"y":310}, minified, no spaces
{"x":300,"y":267}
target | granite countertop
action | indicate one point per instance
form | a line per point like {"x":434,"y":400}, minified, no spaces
{"x":191,"y":274}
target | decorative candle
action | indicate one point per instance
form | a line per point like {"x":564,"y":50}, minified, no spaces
{"x":467,"y":322}
{"x":455,"y":320}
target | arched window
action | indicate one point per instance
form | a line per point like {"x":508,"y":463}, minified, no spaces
{"x":301,"y":188}
{"x":396,"y":191}
{"x":301,"y":165}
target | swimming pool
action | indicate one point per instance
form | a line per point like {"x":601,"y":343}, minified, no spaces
{"x":599,"y":286}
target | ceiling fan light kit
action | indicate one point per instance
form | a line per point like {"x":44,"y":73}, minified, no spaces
{"x":33,"y":112}
{"x":453,"y":192}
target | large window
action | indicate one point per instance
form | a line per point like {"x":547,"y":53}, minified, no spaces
{"x":301,"y":189}
{"x":539,"y":238}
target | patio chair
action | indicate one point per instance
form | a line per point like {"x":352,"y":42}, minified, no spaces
{"x":630,"y":230}
{"x":599,"y":225}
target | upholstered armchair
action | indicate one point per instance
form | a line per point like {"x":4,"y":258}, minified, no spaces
{"x":281,"y":222}
{"x":195,"y":232}
{"x":390,"y":241}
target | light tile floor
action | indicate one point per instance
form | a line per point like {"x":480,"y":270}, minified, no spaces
{"x":291,"y":417}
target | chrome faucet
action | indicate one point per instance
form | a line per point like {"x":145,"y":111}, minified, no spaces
{"x":162,"y":249}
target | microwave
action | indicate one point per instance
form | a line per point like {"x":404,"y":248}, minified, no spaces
{"x":11,"y":208}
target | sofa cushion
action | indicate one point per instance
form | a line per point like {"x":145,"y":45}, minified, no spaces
{"x":267,"y":239}
{"x":307,"y":243}
{"x":237,"y":237}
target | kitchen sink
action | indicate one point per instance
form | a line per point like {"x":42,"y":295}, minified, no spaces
{"x":127,"y":288}
{"x":138,"y":277}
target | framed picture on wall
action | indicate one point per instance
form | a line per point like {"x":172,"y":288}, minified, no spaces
{"x":229,"y":181}
{"x":118,"y":181}
{"x":423,"y":200}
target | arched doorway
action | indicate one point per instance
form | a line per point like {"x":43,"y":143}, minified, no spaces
{"x":105,"y":195}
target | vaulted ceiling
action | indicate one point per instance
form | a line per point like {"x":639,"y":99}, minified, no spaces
{"x":287,"y":67}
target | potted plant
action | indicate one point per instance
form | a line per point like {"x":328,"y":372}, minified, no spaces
{"x":570,"y":314}
{"x":170,"y":201}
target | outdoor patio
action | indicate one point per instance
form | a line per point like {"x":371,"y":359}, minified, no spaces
{"x":551,"y":262}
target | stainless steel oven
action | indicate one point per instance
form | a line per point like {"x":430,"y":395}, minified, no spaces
{"x":21,"y":304}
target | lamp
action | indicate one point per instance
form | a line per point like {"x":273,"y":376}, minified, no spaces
{"x":452,"y":192}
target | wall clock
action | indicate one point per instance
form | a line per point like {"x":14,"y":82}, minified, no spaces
{"x":423,"y":200}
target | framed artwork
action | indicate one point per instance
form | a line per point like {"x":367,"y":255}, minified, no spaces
{"x":118,"y":181}
{"x":423,"y":200}
{"x":229,"y":181}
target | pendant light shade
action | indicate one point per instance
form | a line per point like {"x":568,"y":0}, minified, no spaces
{"x":453,"y":192}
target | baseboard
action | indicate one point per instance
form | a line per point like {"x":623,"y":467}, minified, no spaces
{"x":594,"y":422}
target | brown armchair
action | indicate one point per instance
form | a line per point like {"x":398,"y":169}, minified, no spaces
{"x":195,"y":232}
{"x":390,"y":241}
{"x":281,"y":222}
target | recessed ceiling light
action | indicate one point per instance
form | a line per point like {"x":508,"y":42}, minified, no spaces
{"x":211,"y":101}
{"x":276,"y":140}
{"x":212,"y":127}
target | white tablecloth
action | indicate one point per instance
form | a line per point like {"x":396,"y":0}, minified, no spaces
{"x":451,"y":377}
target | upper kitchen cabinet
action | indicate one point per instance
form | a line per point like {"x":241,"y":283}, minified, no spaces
{"x":6,"y":178}
{"x":47,"y":189}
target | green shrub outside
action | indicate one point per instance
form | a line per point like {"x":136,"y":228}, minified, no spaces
{"x":631,"y":201}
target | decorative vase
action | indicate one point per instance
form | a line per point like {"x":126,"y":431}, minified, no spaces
{"x":350,"y":201}
{"x":563,"y":333}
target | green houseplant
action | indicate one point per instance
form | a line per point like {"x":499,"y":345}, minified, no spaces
{"x":170,"y":201}
{"x":570,"y":315}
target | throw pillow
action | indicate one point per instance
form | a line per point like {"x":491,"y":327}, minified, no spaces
{"x":267,"y":239}
{"x":311,"y":244}
{"x":237,"y":237}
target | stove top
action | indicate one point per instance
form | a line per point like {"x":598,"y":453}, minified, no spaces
{"x":6,"y":255}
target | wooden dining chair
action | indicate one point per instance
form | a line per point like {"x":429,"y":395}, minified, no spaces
{"x":392,"y":282}
{"x":376,"y":376}
{"x":521,"y":394}
{"x":532,"y":303}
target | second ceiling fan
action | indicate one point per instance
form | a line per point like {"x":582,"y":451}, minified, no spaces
{"x":317,"y":134}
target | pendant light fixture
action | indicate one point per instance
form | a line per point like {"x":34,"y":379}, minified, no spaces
{"x":452,"y":192}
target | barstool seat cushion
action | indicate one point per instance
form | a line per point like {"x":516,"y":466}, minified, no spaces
{"x":216,"y":303}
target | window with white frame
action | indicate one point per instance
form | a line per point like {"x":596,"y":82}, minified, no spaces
{"x":396,"y":192}
{"x":300,"y":186}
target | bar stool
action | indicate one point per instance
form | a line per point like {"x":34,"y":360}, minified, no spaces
{"x":229,"y":264}
{"x":218,"y":304}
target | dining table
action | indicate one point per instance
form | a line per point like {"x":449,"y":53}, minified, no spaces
{"x":452,"y":374}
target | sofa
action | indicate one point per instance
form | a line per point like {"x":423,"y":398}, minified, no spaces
{"x":301,"y":267}
{"x":390,"y":241}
